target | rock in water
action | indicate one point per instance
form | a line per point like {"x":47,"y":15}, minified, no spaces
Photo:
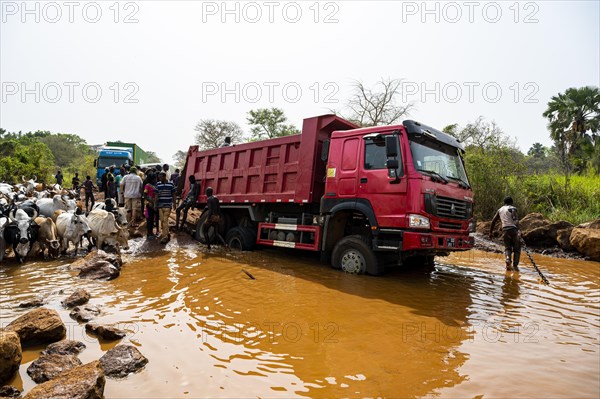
{"x":38,"y":326}
{"x":587,"y":242}
{"x":48,"y":367}
{"x":99,"y":265}
{"x":10,"y":355}
{"x":9,"y":391}
{"x":122,"y":360}
{"x":95,"y":256}
{"x":109,"y":333}
{"x":85,"y":313}
{"x":99,"y":270}
{"x":83,"y":382}
{"x":32,"y":303}
{"x":77,"y":298}
{"x":64,"y":347}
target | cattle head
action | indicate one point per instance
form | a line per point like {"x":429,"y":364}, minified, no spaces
{"x":29,"y":184}
{"x":21,"y":232}
{"x":78,"y":226}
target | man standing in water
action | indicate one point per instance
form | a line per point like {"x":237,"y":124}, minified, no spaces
{"x":511,"y":236}
{"x":213,"y":218}
{"x":165,"y":200}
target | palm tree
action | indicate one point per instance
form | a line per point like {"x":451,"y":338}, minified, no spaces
{"x":573,"y":117}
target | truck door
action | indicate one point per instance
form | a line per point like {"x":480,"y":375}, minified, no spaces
{"x":379,"y":185}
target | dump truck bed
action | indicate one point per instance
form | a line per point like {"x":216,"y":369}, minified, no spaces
{"x":286,"y":169}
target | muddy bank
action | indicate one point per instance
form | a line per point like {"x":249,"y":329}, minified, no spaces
{"x":557,"y":239}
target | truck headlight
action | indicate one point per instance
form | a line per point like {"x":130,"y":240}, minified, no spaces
{"x":473,"y":226}
{"x":418,"y":222}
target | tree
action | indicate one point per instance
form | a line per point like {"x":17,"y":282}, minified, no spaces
{"x":378,"y":106}
{"x":179,"y":159}
{"x":26,"y":157}
{"x":483,"y":135}
{"x":537,"y":150}
{"x":152,"y":157}
{"x":212,"y":133}
{"x":573,"y":121}
{"x":268,"y":123}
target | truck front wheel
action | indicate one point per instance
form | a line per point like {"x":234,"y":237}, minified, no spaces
{"x":353,"y":255}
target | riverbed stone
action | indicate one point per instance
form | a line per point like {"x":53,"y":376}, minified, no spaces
{"x":484,"y":228}
{"x":100,"y":270}
{"x":83,"y":382}
{"x":38,"y":326}
{"x":32,"y":303}
{"x":48,"y":367}
{"x":537,"y":231}
{"x":563,"y":237}
{"x":79,"y":297}
{"x":65,"y":347}
{"x":122,"y":360}
{"x":587,"y":242}
{"x":532,"y":221}
{"x":85,"y":313}
{"x":10,"y":355}
{"x":8,"y":391}
{"x":109,"y":333}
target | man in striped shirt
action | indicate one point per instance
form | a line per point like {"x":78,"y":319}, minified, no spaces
{"x":165,"y":201}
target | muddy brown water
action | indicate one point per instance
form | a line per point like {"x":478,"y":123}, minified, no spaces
{"x":462,"y":329}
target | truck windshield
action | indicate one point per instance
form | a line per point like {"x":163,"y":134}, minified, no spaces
{"x":108,"y":162}
{"x":432,"y":157}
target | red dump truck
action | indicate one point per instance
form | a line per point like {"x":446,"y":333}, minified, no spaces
{"x":362,"y":197}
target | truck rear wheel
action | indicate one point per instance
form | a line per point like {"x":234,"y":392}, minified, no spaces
{"x":241,"y":239}
{"x":353,"y":255}
{"x":198,"y":235}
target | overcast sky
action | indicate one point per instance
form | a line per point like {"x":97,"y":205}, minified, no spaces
{"x":148,"y":71}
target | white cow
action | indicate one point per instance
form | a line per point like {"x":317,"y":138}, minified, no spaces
{"x":50,"y":205}
{"x":21,"y":232}
{"x":106,"y":230}
{"x":71,"y":228}
{"x":120,"y":213}
{"x":3,"y":222}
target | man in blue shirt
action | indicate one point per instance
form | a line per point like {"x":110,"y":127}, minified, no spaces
{"x":165,"y":200}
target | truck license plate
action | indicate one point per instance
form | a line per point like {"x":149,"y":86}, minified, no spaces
{"x":450,"y":242}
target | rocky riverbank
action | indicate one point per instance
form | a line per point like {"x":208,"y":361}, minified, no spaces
{"x":58,"y":371}
{"x":559,"y":239}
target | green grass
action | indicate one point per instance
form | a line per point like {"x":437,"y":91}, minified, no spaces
{"x":576,"y":202}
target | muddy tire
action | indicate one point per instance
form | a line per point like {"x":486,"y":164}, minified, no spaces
{"x":211,"y":233}
{"x":240,"y":239}
{"x":353,"y":255}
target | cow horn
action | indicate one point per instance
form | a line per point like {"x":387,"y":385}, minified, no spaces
{"x":11,"y":215}
{"x":35,"y":214}
{"x":23,"y":178}
{"x":34,"y":178}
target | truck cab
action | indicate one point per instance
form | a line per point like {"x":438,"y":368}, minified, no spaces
{"x":111,"y":156}
{"x":401,"y":189}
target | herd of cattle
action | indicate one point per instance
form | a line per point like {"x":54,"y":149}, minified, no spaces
{"x":38,"y":220}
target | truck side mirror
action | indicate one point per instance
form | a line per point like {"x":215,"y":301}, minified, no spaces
{"x":392,"y":164}
{"x":325,"y":151}
{"x":391,"y":146}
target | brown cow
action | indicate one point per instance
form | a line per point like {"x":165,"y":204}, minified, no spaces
{"x":48,"y":237}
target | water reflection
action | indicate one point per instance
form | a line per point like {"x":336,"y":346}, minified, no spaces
{"x":460,"y":329}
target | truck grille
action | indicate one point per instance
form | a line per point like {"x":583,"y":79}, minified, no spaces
{"x":452,"y":226}
{"x":448,"y":207}
{"x":452,"y":208}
